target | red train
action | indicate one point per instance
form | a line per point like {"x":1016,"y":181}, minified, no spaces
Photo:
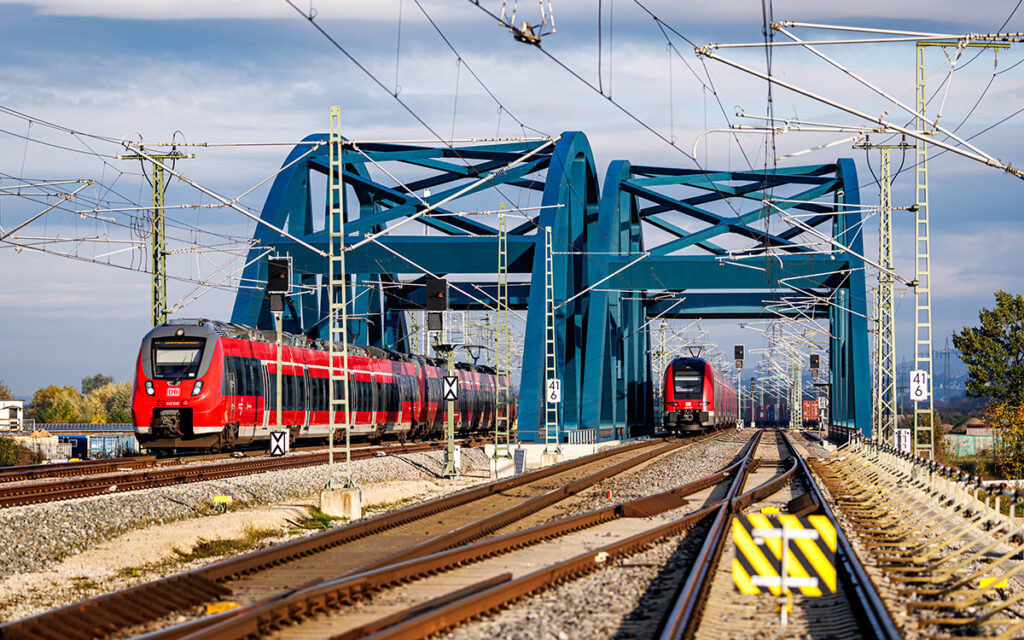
{"x":697,"y":397}
{"x":212,"y":385}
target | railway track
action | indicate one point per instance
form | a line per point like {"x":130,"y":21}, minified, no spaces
{"x":27,"y":473}
{"x":415,"y":596}
{"x":369,"y":545}
{"x":782,"y":486}
{"x":943,"y":547}
{"x":116,"y":480}
{"x":421,"y":596}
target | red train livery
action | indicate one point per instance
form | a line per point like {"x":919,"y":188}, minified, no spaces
{"x":697,"y":397}
{"x":212,"y":385}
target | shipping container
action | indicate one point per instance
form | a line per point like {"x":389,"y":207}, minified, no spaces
{"x":101,"y":445}
{"x":810,"y":409}
{"x":79,"y":445}
{"x":112,"y":445}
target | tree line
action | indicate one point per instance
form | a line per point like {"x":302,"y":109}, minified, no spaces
{"x":994,"y":354}
{"x":100,"y":400}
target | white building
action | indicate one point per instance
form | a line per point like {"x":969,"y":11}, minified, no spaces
{"x":12,"y":415}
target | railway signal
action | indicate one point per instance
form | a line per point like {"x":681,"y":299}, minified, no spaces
{"x":737,"y":352}
{"x":437,"y":294}
{"x":279,"y":282}
{"x":437,"y":303}
{"x":278,"y":271}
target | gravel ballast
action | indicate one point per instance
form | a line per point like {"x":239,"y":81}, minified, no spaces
{"x":40,"y":536}
{"x":626,"y":599}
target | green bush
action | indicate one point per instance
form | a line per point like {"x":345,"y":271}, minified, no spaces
{"x":12,"y":453}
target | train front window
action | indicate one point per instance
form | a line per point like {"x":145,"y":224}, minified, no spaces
{"x":177,"y":358}
{"x":687,"y":383}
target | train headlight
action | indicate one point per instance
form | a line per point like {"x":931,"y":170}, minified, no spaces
{"x":703,"y":404}
{"x":149,"y":387}
{"x":197,"y":387}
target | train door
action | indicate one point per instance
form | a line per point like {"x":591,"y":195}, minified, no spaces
{"x":267,"y":400}
{"x":247,"y":377}
{"x":307,"y":395}
{"x":374,"y":399}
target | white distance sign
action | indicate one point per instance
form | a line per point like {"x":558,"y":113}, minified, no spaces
{"x":554,"y":390}
{"x":918,"y":385}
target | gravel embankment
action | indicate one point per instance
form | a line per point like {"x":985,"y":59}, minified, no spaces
{"x":39,"y":536}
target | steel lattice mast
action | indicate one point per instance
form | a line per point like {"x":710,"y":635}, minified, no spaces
{"x":158,"y":241}
{"x":923,"y":434}
{"x":884,"y":396}
{"x":551,"y":438}
{"x":502,"y":425}
{"x":337,"y":281}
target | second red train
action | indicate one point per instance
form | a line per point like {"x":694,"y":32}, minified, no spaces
{"x":697,"y":397}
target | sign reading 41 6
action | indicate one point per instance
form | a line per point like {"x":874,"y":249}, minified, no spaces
{"x":553,"y":391}
{"x":918,"y":385}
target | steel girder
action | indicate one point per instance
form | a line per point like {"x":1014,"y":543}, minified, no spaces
{"x":430,"y":175}
{"x":602,"y":346}
{"x":571,"y":209}
{"x":688,"y":211}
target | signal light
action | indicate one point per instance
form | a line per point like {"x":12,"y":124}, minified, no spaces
{"x":738,"y":352}
{"x":278,"y":280}
{"x":814,"y":361}
{"x":437,"y":294}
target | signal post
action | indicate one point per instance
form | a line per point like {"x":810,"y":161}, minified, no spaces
{"x":437,"y":305}
{"x":340,"y":497}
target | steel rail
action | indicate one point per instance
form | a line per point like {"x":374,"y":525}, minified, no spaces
{"x":96,"y":484}
{"x":681,"y":620}
{"x":152,"y":600}
{"x":455,"y":613}
{"x":93,"y":485}
{"x":255,"y":619}
{"x":863,"y":595}
{"x":26,"y":472}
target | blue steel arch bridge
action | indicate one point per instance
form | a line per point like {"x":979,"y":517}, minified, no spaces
{"x":665,"y":235}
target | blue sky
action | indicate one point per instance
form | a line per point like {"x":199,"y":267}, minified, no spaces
{"x":256,"y":71}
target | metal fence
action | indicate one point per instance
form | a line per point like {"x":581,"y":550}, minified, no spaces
{"x":81,"y":427}
{"x":582,"y":436}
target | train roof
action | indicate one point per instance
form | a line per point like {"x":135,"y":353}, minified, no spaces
{"x":244,"y":332}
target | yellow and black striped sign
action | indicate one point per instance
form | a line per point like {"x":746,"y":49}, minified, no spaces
{"x":806,"y":558}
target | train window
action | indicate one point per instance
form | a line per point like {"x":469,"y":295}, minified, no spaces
{"x":688,"y":381}
{"x":245,"y":377}
{"x":303,"y":401}
{"x":257,"y":377}
{"x":177,"y":357}
{"x":271,"y":397}
{"x":244,"y":384}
